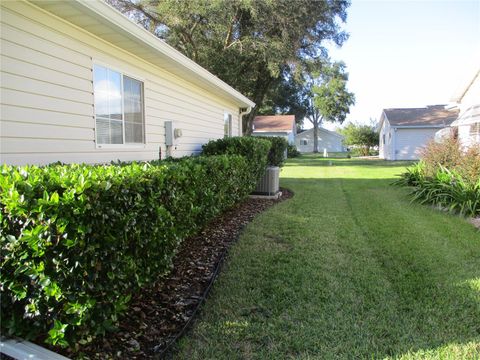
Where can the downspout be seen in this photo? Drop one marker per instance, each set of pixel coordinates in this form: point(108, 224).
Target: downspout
point(240, 119)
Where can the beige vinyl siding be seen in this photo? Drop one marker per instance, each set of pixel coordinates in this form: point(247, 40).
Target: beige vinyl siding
point(47, 109)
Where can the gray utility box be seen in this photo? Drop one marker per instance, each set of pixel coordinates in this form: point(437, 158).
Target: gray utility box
point(269, 182)
point(169, 135)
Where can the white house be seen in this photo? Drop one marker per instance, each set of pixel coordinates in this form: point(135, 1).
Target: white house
point(468, 121)
point(80, 82)
point(404, 132)
point(329, 140)
point(275, 125)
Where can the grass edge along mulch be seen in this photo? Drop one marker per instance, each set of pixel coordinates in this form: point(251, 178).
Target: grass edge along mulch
point(161, 313)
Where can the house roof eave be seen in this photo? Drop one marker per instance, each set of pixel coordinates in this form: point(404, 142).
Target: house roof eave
point(112, 26)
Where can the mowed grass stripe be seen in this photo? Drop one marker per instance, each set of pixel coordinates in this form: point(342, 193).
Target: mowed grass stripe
point(348, 268)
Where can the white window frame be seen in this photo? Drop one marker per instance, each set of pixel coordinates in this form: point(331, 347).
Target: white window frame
point(124, 145)
point(474, 129)
point(227, 113)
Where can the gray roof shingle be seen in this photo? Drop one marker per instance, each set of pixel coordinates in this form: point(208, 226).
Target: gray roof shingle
point(433, 115)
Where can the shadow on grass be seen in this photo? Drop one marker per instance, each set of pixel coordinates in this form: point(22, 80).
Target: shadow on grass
point(430, 261)
point(346, 269)
point(320, 161)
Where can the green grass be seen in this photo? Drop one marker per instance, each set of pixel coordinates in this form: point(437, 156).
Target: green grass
point(346, 269)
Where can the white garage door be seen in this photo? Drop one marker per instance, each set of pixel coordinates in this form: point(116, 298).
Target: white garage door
point(409, 142)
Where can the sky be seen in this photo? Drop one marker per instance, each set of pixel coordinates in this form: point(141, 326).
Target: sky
point(408, 53)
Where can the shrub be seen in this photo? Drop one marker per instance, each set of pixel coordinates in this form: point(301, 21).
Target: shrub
point(278, 149)
point(255, 150)
point(77, 240)
point(447, 154)
point(357, 151)
point(446, 189)
point(292, 151)
point(446, 176)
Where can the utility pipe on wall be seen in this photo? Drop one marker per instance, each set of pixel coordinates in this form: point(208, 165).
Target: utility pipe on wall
point(240, 119)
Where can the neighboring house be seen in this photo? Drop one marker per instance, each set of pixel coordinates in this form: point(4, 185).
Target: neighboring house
point(275, 125)
point(404, 132)
point(329, 140)
point(82, 83)
point(468, 121)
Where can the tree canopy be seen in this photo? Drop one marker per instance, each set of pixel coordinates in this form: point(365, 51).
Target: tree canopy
point(363, 136)
point(251, 45)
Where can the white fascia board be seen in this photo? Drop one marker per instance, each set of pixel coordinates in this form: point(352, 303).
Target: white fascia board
point(114, 19)
point(117, 18)
point(462, 90)
point(420, 127)
point(383, 118)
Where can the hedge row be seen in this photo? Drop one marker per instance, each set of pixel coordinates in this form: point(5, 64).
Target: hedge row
point(77, 240)
point(250, 147)
point(278, 150)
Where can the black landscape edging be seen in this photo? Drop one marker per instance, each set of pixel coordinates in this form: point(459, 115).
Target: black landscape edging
point(169, 348)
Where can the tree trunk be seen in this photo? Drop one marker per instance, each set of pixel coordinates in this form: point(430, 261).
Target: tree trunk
point(261, 88)
point(316, 121)
point(248, 120)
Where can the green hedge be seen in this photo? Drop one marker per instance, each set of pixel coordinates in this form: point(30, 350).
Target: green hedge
point(292, 151)
point(77, 240)
point(278, 149)
point(253, 148)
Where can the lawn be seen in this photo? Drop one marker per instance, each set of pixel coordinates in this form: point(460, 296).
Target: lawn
point(348, 268)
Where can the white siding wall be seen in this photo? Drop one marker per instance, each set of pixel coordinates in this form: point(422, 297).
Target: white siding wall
point(326, 140)
point(46, 94)
point(469, 114)
point(466, 138)
point(386, 149)
point(410, 142)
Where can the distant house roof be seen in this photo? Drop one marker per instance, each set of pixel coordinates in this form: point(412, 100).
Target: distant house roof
point(320, 129)
point(274, 123)
point(430, 116)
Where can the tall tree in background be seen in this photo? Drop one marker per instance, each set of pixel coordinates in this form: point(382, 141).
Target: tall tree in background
point(330, 100)
point(248, 44)
point(287, 96)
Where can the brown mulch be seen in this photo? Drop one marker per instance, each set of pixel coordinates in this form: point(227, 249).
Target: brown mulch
point(158, 315)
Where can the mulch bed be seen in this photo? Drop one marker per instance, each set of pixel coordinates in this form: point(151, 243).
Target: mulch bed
point(160, 314)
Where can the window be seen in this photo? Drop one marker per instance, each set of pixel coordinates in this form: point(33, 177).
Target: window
point(119, 116)
point(475, 129)
point(383, 138)
point(227, 125)
point(303, 142)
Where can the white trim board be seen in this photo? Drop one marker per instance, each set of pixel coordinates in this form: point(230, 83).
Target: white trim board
point(22, 349)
